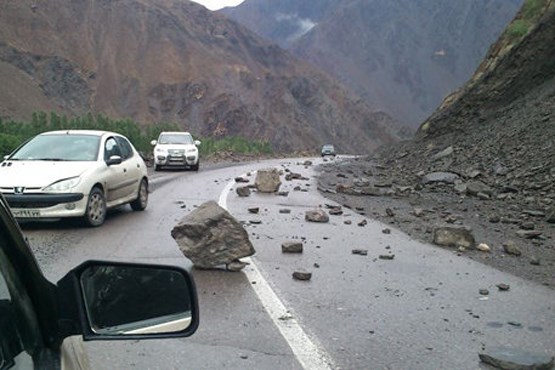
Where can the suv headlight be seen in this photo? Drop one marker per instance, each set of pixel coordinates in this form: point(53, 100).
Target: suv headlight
point(192, 150)
point(63, 185)
point(160, 150)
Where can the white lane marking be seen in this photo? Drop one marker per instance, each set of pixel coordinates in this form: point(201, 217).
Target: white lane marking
point(309, 355)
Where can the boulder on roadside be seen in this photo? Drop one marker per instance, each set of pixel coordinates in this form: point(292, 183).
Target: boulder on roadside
point(454, 237)
point(210, 236)
point(292, 247)
point(267, 180)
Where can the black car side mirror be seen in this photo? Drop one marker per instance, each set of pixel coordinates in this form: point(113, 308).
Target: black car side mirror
point(112, 300)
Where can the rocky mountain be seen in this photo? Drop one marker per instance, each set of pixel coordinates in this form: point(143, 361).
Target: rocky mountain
point(401, 56)
point(484, 162)
point(173, 61)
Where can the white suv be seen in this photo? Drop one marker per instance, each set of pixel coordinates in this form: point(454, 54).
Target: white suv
point(176, 149)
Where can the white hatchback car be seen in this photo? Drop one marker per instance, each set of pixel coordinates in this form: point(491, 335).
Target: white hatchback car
point(176, 149)
point(75, 173)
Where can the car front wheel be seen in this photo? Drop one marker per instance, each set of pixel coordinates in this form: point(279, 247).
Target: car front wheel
point(141, 202)
point(95, 213)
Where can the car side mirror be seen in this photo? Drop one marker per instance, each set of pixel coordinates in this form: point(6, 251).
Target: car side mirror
point(197, 142)
point(113, 300)
point(153, 142)
point(113, 160)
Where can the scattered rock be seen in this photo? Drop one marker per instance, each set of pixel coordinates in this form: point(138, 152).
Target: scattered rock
point(386, 231)
point(209, 236)
point(444, 177)
point(285, 211)
point(335, 211)
point(236, 265)
point(510, 248)
point(386, 256)
point(503, 287)
point(442, 154)
point(243, 191)
point(363, 223)
point(483, 292)
point(477, 187)
point(347, 222)
point(254, 210)
point(292, 247)
point(551, 217)
point(516, 359)
point(483, 247)
point(316, 215)
point(454, 237)
point(527, 225)
point(534, 261)
point(528, 234)
point(267, 180)
point(361, 252)
point(389, 212)
point(302, 275)
point(241, 179)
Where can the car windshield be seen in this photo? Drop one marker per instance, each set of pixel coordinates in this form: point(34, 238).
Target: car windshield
point(175, 139)
point(62, 147)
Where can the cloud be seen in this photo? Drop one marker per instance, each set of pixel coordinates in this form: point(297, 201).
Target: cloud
point(302, 25)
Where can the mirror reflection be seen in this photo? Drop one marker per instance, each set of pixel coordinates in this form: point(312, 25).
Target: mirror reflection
point(124, 300)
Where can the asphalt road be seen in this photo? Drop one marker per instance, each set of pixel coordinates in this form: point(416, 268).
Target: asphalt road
point(420, 310)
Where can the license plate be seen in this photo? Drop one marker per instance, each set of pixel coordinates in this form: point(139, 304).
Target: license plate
point(26, 213)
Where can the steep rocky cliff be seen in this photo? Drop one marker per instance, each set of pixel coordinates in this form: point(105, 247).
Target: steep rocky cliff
point(402, 56)
point(173, 60)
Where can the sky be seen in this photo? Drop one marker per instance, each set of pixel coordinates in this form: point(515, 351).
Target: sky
point(218, 4)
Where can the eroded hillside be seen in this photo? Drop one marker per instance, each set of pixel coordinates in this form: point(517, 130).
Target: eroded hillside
point(173, 61)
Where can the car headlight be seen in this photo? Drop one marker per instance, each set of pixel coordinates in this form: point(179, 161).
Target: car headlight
point(160, 150)
point(192, 150)
point(63, 185)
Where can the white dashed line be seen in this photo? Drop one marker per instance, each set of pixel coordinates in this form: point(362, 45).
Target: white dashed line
point(309, 355)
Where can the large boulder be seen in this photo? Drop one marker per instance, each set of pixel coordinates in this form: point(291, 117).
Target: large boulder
point(267, 180)
point(210, 236)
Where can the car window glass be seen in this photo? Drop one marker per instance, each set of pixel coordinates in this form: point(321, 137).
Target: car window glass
point(125, 148)
point(175, 139)
point(111, 148)
point(62, 147)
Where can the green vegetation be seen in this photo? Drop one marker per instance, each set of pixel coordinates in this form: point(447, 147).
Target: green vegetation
point(13, 133)
point(531, 11)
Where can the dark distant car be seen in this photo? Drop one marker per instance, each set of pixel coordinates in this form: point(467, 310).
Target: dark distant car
point(97, 300)
point(328, 149)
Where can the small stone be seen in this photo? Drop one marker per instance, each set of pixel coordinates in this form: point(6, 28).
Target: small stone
point(316, 265)
point(236, 266)
point(284, 211)
point(361, 252)
point(510, 248)
point(244, 357)
point(386, 256)
point(363, 223)
point(347, 222)
point(243, 191)
point(484, 292)
point(528, 234)
point(302, 275)
point(483, 247)
point(389, 212)
point(254, 210)
point(335, 211)
point(551, 217)
point(317, 215)
point(503, 287)
point(534, 261)
point(527, 225)
point(516, 359)
point(241, 179)
point(386, 231)
point(494, 219)
point(292, 247)
point(255, 222)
